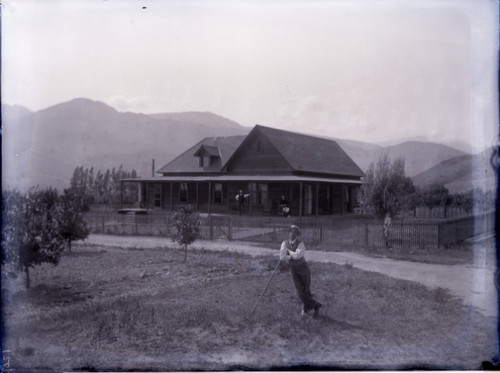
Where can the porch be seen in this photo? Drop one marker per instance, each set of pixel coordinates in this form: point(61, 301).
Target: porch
point(307, 196)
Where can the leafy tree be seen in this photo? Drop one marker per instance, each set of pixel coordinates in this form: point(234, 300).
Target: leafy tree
point(30, 230)
point(464, 200)
point(104, 188)
point(386, 188)
point(72, 225)
point(81, 184)
point(12, 222)
point(482, 200)
point(435, 195)
point(187, 225)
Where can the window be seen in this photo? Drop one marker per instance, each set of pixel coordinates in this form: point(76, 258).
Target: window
point(157, 195)
point(258, 193)
point(252, 189)
point(308, 199)
point(263, 194)
point(218, 198)
point(183, 192)
point(204, 160)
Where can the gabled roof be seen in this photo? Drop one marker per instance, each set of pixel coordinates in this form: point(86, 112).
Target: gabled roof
point(304, 153)
point(188, 161)
point(309, 153)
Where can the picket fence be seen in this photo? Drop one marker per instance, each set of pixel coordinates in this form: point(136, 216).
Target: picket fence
point(328, 232)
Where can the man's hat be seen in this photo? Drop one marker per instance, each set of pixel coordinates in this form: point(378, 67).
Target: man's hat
point(296, 228)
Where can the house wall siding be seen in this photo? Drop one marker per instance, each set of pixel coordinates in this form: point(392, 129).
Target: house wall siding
point(258, 156)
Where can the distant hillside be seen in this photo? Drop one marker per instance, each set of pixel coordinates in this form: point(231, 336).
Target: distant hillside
point(419, 156)
point(43, 148)
point(461, 173)
point(14, 111)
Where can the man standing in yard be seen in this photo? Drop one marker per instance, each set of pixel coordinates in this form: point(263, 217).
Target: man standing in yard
point(387, 230)
point(292, 250)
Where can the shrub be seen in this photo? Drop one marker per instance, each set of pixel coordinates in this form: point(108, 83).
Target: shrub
point(187, 227)
point(72, 207)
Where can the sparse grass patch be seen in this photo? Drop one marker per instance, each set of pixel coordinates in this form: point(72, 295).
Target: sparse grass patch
point(97, 310)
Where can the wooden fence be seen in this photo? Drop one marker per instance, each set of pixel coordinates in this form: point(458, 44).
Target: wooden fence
point(328, 232)
point(456, 230)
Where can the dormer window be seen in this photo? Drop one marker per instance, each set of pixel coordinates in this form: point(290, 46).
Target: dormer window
point(204, 160)
point(206, 155)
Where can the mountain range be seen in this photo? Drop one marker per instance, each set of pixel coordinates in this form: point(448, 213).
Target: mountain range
point(44, 147)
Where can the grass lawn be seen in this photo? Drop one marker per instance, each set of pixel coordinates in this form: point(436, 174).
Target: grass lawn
point(115, 309)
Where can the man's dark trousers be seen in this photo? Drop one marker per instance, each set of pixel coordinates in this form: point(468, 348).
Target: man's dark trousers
point(302, 280)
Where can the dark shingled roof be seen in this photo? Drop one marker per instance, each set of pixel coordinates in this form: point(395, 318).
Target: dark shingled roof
point(311, 154)
point(302, 152)
point(187, 162)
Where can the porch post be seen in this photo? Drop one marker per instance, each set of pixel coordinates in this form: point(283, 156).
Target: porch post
point(209, 197)
point(342, 199)
point(317, 199)
point(300, 199)
point(171, 196)
point(146, 199)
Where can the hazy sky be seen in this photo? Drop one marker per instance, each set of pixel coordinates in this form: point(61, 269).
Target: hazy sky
point(365, 70)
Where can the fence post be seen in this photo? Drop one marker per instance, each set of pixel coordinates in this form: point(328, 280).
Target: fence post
point(439, 235)
point(210, 228)
point(366, 234)
point(229, 229)
point(320, 231)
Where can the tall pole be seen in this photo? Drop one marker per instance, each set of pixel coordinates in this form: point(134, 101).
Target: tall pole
point(260, 298)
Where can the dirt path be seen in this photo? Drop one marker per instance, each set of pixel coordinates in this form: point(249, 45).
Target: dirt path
point(474, 284)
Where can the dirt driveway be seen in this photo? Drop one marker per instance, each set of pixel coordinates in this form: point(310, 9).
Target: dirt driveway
point(474, 284)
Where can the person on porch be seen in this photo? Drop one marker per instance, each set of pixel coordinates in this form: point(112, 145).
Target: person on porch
point(292, 251)
point(240, 197)
point(284, 207)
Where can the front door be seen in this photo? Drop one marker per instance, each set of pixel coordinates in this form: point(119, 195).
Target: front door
point(308, 199)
